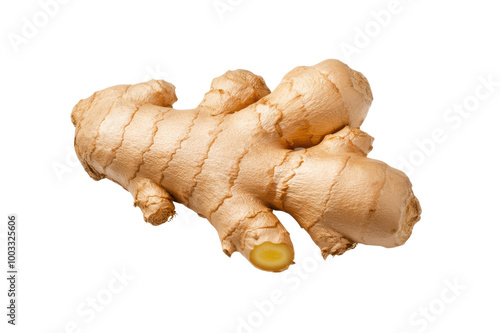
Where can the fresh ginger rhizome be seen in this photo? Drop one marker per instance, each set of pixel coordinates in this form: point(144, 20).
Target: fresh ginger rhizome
point(233, 160)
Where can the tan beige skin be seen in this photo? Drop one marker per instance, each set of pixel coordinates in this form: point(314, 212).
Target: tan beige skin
point(239, 155)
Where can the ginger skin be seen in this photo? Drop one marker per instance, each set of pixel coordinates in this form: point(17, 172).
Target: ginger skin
point(233, 160)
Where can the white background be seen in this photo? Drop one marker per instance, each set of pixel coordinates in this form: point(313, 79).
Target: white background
point(77, 234)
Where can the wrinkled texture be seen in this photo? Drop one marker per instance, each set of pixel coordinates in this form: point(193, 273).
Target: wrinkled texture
point(244, 152)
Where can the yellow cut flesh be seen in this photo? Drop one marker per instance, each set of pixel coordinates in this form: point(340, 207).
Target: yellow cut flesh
point(271, 257)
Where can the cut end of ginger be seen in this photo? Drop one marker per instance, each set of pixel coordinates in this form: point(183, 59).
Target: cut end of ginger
point(272, 257)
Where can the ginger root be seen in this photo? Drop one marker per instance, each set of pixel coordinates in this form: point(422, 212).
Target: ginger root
point(244, 152)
